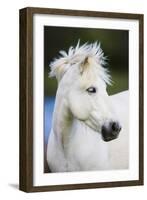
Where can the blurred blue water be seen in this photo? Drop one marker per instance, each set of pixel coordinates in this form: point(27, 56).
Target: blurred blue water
point(48, 111)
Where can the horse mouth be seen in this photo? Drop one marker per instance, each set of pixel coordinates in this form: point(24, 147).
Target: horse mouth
point(108, 139)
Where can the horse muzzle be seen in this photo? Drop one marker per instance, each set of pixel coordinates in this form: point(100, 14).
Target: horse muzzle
point(110, 131)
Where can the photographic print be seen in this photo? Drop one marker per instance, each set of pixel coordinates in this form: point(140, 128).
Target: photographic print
point(87, 107)
point(81, 99)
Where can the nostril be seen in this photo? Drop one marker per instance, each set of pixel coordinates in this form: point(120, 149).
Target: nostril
point(116, 127)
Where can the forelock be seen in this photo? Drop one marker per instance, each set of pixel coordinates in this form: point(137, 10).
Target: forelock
point(78, 56)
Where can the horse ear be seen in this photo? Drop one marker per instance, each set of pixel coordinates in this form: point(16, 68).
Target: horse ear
point(85, 64)
point(58, 68)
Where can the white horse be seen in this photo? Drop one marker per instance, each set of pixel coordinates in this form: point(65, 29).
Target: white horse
point(89, 127)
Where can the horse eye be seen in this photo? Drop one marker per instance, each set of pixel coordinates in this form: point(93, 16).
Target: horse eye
point(91, 90)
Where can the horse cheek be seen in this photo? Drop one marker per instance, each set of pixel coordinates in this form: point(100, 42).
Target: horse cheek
point(79, 106)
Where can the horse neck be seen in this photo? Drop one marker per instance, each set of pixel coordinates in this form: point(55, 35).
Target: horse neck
point(62, 119)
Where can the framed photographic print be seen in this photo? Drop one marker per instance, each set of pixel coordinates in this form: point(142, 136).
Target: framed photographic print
point(81, 99)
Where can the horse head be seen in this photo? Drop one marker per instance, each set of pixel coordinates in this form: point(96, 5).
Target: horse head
point(82, 86)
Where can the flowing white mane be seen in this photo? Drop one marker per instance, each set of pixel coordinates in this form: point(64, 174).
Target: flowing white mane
point(77, 55)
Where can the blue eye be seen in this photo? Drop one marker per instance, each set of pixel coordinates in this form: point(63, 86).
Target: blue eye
point(91, 90)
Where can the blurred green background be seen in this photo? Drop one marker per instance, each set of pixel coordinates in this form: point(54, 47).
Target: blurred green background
point(113, 42)
point(115, 46)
